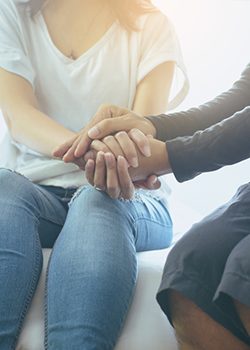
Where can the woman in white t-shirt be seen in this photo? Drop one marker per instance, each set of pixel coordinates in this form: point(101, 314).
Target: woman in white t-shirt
point(59, 61)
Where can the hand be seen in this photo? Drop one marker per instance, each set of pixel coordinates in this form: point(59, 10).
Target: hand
point(121, 144)
point(78, 145)
point(117, 179)
point(112, 176)
point(124, 122)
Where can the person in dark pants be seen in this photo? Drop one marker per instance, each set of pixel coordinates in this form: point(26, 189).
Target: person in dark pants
point(205, 288)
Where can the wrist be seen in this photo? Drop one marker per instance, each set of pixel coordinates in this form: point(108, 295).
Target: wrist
point(160, 160)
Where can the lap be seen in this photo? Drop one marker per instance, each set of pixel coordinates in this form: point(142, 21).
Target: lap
point(202, 263)
point(28, 209)
point(144, 218)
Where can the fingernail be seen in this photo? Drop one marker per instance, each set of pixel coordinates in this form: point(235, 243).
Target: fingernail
point(134, 162)
point(155, 180)
point(93, 132)
point(99, 156)
point(108, 157)
point(121, 160)
point(146, 151)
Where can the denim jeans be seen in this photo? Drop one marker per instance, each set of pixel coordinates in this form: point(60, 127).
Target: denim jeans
point(92, 269)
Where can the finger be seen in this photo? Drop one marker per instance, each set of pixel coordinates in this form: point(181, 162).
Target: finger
point(82, 145)
point(152, 183)
point(141, 141)
point(98, 146)
point(100, 172)
point(81, 163)
point(111, 126)
point(60, 150)
point(126, 185)
point(70, 154)
point(111, 142)
point(89, 155)
point(127, 121)
point(90, 171)
point(128, 148)
point(112, 183)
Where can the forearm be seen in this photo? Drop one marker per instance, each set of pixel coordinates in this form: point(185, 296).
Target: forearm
point(157, 164)
point(35, 130)
point(224, 106)
point(26, 123)
point(223, 144)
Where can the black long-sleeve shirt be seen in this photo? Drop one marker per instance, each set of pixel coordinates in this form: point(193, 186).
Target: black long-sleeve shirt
point(210, 136)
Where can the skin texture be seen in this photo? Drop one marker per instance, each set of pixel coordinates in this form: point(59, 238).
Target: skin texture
point(107, 116)
point(117, 178)
point(196, 330)
point(32, 128)
point(153, 86)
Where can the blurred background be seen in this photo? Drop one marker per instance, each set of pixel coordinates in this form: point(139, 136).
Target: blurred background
point(215, 40)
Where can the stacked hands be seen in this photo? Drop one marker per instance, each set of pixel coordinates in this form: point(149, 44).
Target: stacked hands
point(118, 152)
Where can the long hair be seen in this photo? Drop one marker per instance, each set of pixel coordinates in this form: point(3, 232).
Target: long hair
point(125, 12)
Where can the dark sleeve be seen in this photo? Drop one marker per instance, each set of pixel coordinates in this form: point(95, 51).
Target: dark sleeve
point(170, 126)
point(224, 143)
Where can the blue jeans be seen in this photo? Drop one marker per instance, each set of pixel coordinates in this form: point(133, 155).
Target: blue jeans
point(92, 269)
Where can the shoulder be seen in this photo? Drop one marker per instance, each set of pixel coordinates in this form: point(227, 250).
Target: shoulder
point(153, 20)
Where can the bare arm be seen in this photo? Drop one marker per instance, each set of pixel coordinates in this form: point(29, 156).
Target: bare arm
point(151, 98)
point(26, 123)
point(153, 91)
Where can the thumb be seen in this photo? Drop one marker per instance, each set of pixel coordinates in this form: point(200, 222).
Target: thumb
point(152, 183)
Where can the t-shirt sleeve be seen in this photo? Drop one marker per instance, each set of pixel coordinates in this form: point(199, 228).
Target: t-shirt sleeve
point(159, 43)
point(13, 52)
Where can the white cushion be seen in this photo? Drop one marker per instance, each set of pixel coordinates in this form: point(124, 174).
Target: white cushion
point(145, 328)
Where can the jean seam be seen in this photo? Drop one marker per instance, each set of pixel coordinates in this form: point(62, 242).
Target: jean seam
point(46, 304)
point(152, 220)
point(42, 215)
point(32, 288)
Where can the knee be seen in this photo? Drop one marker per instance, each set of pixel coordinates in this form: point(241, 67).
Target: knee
point(6, 177)
point(186, 318)
point(15, 188)
point(89, 200)
point(10, 180)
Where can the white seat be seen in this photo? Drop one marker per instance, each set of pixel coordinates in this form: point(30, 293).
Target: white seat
point(145, 328)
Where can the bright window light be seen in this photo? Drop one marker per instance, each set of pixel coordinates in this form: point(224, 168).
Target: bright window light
point(214, 37)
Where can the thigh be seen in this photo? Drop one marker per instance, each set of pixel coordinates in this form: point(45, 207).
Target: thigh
point(235, 282)
point(22, 207)
point(196, 264)
point(150, 221)
point(144, 220)
point(92, 271)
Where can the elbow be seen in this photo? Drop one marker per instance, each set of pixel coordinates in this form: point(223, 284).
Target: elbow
point(13, 133)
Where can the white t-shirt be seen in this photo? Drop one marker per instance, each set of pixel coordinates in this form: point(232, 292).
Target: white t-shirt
point(70, 92)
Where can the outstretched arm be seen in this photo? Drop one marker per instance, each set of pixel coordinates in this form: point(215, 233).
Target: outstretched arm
point(26, 123)
point(151, 97)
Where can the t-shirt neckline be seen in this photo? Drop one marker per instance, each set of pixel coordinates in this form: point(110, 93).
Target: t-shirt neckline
point(86, 55)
